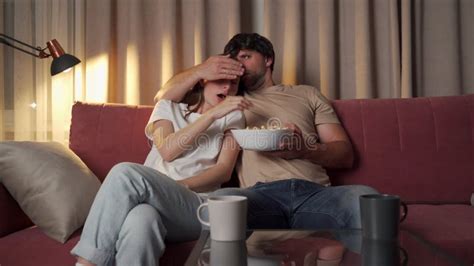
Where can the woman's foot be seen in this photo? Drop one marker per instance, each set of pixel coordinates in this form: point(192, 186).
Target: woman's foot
point(83, 262)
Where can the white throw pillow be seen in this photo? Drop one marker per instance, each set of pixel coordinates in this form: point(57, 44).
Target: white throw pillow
point(50, 183)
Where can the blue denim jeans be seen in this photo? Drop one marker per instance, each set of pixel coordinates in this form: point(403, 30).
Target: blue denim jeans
point(301, 204)
point(136, 209)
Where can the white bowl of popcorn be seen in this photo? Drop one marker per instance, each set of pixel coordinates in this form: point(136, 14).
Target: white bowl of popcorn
point(261, 139)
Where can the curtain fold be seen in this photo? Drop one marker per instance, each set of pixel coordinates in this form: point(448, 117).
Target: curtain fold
point(327, 54)
point(129, 49)
point(443, 59)
point(348, 49)
point(2, 81)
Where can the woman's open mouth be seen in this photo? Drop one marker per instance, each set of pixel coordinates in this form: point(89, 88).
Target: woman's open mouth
point(221, 96)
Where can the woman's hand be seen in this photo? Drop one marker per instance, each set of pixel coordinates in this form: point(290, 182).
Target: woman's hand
point(231, 103)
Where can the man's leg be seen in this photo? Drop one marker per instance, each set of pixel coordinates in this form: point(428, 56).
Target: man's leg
point(141, 239)
point(126, 186)
point(265, 210)
point(317, 207)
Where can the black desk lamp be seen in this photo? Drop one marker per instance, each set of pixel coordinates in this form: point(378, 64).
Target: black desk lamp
point(61, 60)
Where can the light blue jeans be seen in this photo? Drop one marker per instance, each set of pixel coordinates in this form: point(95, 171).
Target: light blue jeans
point(301, 204)
point(135, 210)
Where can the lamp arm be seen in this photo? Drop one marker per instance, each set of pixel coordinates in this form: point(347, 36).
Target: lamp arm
point(42, 53)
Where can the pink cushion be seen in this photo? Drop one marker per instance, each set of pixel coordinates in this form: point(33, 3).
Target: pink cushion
point(450, 227)
point(419, 148)
point(103, 135)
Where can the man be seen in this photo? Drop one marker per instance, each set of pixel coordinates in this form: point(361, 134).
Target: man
point(288, 188)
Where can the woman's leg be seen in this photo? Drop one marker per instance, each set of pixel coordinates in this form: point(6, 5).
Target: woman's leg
point(141, 239)
point(126, 186)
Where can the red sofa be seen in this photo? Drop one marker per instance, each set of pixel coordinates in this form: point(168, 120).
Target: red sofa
point(421, 149)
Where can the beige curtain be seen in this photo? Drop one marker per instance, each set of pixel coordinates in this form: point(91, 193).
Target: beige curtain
point(129, 48)
point(35, 106)
point(440, 36)
point(139, 45)
point(374, 49)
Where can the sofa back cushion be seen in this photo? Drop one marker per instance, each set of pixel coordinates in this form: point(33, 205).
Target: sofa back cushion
point(103, 135)
point(419, 148)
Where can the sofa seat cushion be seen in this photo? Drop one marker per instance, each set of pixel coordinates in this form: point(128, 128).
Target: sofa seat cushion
point(449, 227)
point(32, 247)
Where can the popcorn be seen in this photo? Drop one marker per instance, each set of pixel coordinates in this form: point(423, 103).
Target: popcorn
point(274, 127)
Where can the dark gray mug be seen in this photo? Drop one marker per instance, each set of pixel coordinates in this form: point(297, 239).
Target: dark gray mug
point(380, 216)
point(383, 252)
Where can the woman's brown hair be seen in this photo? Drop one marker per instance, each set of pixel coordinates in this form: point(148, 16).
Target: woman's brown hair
point(195, 97)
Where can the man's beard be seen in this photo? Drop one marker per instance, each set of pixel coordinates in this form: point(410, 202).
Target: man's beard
point(252, 82)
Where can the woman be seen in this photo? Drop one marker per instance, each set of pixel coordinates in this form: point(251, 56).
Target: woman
point(139, 206)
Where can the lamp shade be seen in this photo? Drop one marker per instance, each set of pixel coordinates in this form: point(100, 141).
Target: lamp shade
point(63, 63)
point(61, 60)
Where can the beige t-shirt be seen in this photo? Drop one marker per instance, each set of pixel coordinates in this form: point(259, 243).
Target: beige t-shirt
point(302, 105)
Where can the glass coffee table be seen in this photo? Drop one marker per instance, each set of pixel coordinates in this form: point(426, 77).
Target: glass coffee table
point(316, 247)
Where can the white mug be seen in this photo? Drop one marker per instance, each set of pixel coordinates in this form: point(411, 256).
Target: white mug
point(227, 217)
point(229, 253)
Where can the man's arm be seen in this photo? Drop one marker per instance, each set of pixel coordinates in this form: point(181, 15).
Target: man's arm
point(176, 88)
point(334, 149)
point(214, 68)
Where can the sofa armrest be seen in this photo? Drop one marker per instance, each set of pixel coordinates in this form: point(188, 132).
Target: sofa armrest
point(12, 218)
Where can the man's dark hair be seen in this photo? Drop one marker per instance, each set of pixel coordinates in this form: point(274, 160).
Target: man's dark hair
point(250, 41)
